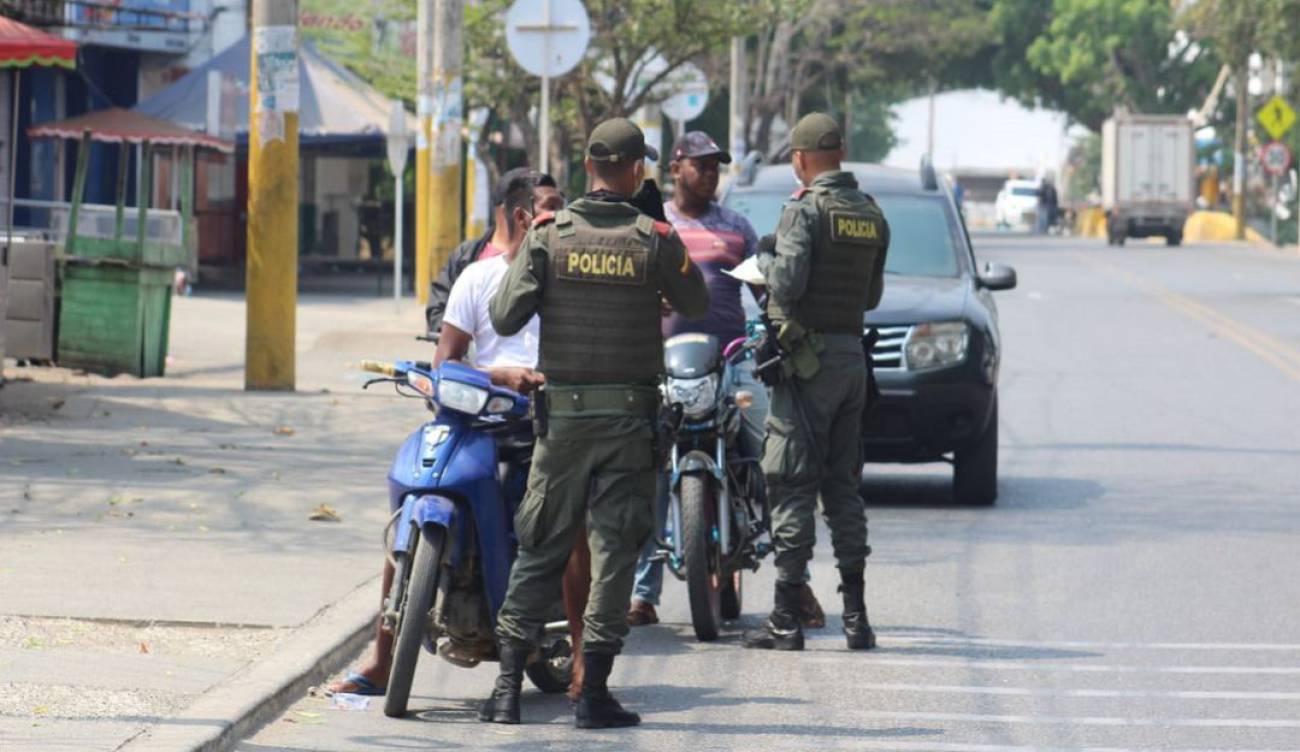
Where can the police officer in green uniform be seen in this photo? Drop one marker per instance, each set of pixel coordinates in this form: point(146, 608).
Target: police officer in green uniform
point(826, 270)
point(595, 273)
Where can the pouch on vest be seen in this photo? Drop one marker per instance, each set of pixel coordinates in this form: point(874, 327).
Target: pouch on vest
point(802, 348)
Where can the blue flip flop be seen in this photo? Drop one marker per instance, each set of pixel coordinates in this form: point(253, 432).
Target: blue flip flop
point(364, 686)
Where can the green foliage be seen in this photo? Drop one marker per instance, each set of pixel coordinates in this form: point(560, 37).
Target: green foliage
point(1088, 57)
point(367, 39)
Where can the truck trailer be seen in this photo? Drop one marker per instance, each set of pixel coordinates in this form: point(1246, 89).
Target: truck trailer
point(1148, 177)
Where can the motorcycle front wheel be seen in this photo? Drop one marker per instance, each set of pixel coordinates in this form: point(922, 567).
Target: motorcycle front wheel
point(703, 581)
point(553, 670)
point(413, 617)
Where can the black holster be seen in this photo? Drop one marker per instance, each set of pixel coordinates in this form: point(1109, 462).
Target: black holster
point(873, 389)
point(541, 413)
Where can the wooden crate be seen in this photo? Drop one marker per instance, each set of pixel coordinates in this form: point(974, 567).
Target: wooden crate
point(115, 319)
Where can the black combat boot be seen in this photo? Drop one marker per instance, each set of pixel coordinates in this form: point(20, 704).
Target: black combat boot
point(857, 630)
point(782, 629)
point(503, 705)
point(596, 707)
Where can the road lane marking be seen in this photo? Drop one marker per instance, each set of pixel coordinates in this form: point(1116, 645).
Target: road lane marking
point(886, 637)
point(1085, 668)
point(1078, 693)
point(1268, 348)
point(908, 715)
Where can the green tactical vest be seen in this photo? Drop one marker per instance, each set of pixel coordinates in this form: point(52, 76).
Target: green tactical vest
point(600, 310)
point(850, 236)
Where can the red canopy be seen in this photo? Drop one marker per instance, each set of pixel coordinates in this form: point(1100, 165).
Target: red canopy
point(116, 125)
point(22, 46)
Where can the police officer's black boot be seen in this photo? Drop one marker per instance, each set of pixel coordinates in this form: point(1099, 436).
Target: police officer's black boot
point(596, 707)
point(782, 629)
point(503, 705)
point(857, 630)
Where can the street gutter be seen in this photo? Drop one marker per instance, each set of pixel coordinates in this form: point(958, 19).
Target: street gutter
point(257, 694)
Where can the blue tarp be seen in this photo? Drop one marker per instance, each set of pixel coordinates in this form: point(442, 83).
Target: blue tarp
point(336, 108)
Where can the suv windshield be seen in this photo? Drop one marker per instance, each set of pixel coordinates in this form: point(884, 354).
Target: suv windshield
point(923, 238)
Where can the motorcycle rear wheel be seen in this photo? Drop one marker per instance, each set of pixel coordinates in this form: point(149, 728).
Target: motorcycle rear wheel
point(413, 618)
point(703, 581)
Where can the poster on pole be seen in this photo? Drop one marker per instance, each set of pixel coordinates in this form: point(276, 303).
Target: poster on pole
point(276, 50)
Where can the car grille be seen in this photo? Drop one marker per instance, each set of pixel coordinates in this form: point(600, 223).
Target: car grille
point(887, 355)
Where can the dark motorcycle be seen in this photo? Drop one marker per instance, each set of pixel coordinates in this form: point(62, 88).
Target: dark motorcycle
point(717, 511)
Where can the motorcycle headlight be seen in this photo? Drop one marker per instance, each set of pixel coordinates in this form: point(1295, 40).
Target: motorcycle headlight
point(936, 345)
point(462, 397)
point(696, 396)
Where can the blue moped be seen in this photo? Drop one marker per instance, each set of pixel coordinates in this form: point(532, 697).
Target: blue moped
point(455, 485)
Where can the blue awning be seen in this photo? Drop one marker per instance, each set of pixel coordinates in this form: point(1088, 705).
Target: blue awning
point(336, 107)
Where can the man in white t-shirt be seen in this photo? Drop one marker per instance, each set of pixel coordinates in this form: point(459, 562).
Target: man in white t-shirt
point(510, 361)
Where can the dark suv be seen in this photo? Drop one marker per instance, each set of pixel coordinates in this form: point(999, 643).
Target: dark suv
point(937, 357)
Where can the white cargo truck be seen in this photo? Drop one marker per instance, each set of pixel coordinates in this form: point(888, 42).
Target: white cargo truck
point(1148, 177)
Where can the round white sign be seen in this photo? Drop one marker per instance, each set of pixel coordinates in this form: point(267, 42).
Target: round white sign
point(1274, 157)
point(547, 37)
point(690, 93)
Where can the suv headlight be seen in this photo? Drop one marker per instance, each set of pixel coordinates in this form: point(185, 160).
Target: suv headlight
point(462, 397)
point(695, 395)
point(936, 345)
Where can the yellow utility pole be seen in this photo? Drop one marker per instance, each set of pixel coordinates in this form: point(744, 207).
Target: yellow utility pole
point(444, 180)
point(424, 111)
point(272, 267)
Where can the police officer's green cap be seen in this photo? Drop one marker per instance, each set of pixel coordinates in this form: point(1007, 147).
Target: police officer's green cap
point(619, 140)
point(816, 131)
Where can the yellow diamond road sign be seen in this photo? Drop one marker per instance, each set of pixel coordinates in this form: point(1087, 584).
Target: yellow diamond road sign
point(1277, 117)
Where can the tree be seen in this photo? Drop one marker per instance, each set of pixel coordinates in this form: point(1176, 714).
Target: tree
point(1088, 57)
point(1238, 28)
point(377, 45)
point(636, 46)
point(829, 53)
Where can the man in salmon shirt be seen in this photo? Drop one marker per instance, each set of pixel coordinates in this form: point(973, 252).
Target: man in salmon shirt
point(717, 238)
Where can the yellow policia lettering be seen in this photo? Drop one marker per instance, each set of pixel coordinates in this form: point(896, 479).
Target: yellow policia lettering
point(601, 264)
point(856, 228)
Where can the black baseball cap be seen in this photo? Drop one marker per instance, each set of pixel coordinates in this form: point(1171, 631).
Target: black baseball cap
point(619, 140)
point(698, 144)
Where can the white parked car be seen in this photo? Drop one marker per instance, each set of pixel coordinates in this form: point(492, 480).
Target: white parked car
point(1017, 204)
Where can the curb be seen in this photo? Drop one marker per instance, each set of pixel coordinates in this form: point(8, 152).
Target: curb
point(242, 703)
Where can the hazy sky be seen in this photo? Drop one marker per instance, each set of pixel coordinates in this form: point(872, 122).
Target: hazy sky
point(975, 128)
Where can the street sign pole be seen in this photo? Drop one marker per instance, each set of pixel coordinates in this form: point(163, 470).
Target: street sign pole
point(398, 145)
point(547, 47)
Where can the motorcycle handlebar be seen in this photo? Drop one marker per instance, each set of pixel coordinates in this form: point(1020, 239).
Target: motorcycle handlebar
point(374, 366)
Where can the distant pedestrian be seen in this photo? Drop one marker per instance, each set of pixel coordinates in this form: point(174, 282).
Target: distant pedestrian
point(1047, 204)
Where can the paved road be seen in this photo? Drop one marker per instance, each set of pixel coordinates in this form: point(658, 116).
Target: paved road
point(154, 534)
point(1137, 585)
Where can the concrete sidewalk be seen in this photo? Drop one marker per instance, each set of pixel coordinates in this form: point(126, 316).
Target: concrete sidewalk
point(158, 570)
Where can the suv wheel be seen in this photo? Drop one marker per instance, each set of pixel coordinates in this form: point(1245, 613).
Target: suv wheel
point(975, 469)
